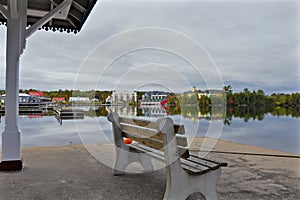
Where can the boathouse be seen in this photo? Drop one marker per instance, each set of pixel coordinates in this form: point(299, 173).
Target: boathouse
point(23, 98)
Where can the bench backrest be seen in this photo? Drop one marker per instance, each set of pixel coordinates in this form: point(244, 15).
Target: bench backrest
point(147, 133)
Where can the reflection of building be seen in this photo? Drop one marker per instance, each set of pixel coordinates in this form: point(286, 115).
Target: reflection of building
point(124, 110)
point(83, 108)
point(154, 111)
point(193, 113)
point(149, 111)
point(122, 97)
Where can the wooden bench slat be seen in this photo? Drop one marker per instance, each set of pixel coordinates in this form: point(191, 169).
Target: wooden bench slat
point(139, 122)
point(146, 132)
point(220, 164)
point(152, 133)
point(211, 165)
point(190, 167)
point(156, 144)
point(147, 149)
point(153, 138)
point(159, 155)
point(179, 129)
point(193, 169)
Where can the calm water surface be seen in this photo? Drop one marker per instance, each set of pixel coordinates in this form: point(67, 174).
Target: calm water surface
point(279, 133)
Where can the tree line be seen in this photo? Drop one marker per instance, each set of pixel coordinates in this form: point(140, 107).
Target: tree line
point(259, 98)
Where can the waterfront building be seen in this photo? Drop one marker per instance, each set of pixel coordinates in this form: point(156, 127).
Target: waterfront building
point(58, 99)
point(155, 98)
point(36, 94)
point(108, 100)
point(40, 96)
point(79, 99)
point(94, 100)
point(124, 97)
point(23, 98)
point(198, 92)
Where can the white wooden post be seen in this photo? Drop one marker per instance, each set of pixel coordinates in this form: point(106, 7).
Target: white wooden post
point(16, 27)
point(16, 15)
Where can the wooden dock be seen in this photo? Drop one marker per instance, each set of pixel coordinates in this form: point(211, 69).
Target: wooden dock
point(27, 108)
point(69, 113)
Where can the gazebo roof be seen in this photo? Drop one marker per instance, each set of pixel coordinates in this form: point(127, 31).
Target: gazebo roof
point(70, 20)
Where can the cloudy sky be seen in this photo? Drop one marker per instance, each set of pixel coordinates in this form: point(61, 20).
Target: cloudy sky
point(170, 45)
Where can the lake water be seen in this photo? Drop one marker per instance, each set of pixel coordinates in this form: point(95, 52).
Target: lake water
point(279, 133)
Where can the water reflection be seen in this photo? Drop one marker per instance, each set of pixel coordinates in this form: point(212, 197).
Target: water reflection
point(275, 128)
point(269, 127)
point(198, 113)
point(188, 112)
point(258, 113)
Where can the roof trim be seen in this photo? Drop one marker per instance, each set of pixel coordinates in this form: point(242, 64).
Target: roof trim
point(76, 17)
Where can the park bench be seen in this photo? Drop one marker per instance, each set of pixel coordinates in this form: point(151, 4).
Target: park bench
point(166, 142)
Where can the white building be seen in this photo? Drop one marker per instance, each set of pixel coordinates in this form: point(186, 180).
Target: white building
point(123, 97)
point(23, 98)
point(108, 100)
point(79, 99)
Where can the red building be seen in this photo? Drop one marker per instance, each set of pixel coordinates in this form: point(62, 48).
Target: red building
point(58, 99)
point(36, 94)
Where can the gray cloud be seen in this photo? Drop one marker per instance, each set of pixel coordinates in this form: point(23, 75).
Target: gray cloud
point(255, 44)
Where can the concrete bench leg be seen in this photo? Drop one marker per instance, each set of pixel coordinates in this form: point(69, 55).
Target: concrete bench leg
point(121, 162)
point(182, 185)
point(124, 158)
point(146, 162)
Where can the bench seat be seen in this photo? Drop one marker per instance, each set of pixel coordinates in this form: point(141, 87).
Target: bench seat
point(193, 164)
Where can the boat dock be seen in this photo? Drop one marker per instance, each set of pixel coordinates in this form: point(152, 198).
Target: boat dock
point(27, 108)
point(68, 113)
point(38, 108)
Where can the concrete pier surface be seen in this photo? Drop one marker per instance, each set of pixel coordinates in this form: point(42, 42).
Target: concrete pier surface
point(71, 172)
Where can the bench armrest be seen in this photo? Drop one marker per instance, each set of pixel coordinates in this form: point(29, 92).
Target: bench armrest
point(117, 132)
point(166, 127)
